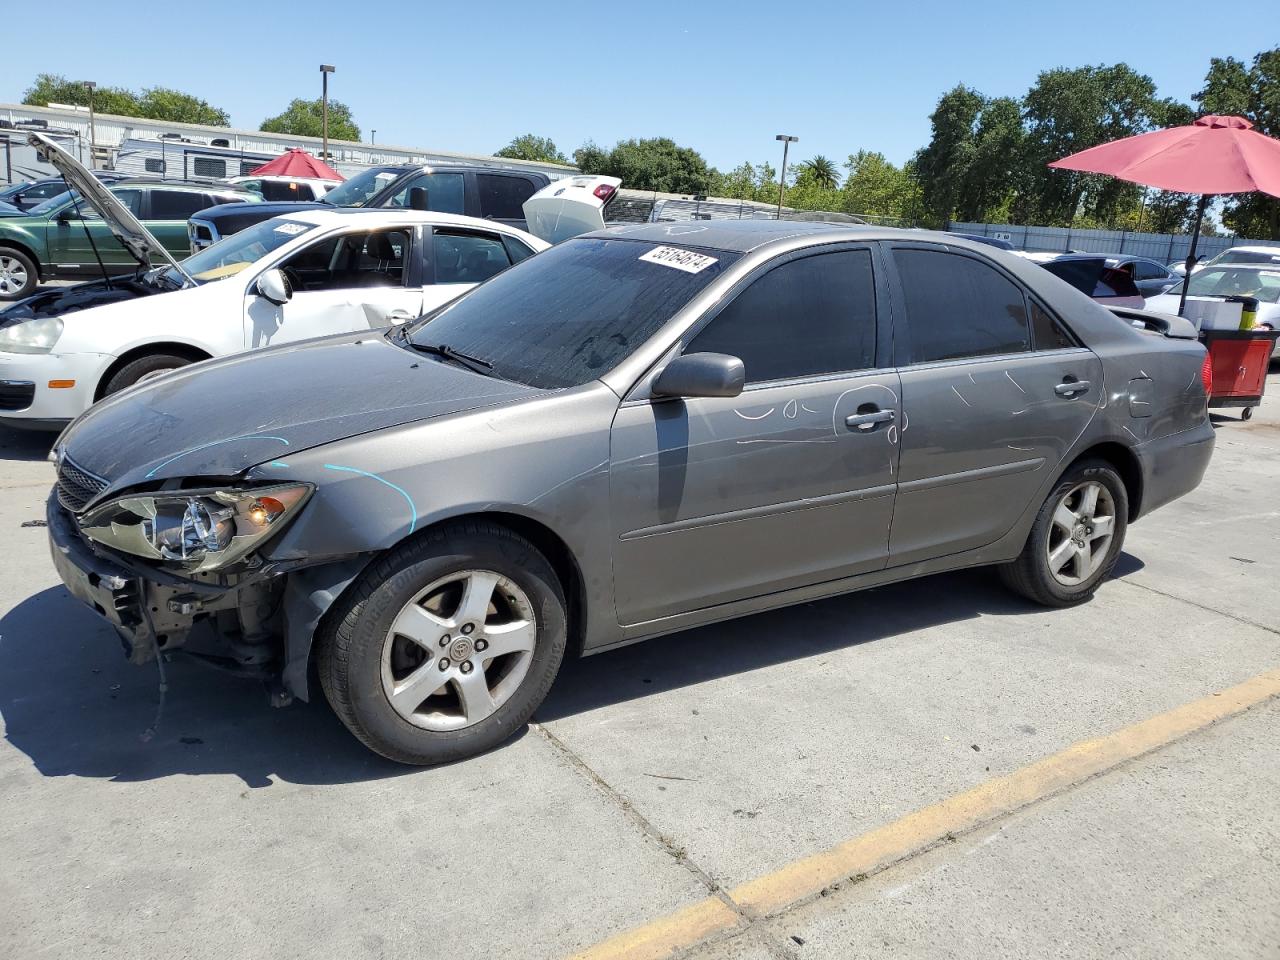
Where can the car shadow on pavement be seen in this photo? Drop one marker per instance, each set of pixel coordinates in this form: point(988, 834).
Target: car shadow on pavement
point(71, 702)
point(779, 636)
point(26, 445)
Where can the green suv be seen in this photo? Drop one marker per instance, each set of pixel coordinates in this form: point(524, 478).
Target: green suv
point(56, 239)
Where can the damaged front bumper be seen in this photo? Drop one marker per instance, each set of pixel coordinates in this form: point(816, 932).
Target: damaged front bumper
point(257, 624)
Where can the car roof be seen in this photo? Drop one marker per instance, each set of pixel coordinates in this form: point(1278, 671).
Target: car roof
point(1269, 267)
point(743, 236)
point(324, 217)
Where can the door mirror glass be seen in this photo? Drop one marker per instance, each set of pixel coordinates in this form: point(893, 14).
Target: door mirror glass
point(701, 375)
point(274, 286)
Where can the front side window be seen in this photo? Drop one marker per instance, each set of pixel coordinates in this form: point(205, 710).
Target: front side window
point(502, 197)
point(959, 307)
point(445, 193)
point(232, 254)
point(176, 204)
point(350, 262)
point(572, 313)
point(806, 317)
point(462, 257)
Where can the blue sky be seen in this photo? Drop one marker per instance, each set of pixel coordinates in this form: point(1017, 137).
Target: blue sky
point(720, 77)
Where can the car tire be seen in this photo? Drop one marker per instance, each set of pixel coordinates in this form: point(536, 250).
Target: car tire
point(401, 655)
point(144, 368)
point(19, 275)
point(1075, 540)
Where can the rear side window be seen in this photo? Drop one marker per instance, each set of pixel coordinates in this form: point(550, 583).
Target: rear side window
point(502, 198)
point(276, 190)
point(803, 318)
point(176, 205)
point(959, 307)
point(467, 257)
point(1048, 332)
point(1146, 270)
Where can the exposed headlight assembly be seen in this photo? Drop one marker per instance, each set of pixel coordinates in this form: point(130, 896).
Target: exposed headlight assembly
point(196, 530)
point(31, 336)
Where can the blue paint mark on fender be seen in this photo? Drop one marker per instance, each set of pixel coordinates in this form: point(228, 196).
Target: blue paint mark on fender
point(413, 510)
point(205, 446)
point(277, 463)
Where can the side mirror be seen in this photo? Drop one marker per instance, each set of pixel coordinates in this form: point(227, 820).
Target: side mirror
point(67, 214)
point(419, 198)
point(701, 375)
point(274, 286)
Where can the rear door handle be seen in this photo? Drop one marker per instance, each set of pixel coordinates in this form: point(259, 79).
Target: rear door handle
point(868, 421)
point(1071, 387)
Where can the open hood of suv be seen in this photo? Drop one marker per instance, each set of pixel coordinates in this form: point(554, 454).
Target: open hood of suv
point(569, 207)
point(136, 238)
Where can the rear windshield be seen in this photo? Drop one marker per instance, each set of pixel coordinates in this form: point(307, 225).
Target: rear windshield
point(1094, 278)
point(572, 313)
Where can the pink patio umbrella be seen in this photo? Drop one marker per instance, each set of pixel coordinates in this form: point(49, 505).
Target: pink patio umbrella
point(1212, 156)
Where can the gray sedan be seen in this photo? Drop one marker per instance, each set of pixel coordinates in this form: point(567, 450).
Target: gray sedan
point(632, 433)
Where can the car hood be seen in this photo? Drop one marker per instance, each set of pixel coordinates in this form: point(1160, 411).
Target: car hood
point(218, 418)
point(136, 238)
point(57, 301)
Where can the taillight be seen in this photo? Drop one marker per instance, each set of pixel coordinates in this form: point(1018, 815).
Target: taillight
point(604, 192)
point(1206, 375)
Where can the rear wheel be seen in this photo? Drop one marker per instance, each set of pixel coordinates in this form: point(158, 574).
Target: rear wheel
point(1075, 540)
point(18, 274)
point(446, 646)
point(143, 369)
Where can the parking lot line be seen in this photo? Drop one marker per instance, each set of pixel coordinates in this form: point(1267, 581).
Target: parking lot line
point(804, 879)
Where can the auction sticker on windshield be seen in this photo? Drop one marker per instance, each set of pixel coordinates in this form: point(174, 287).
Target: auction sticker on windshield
point(685, 260)
point(291, 229)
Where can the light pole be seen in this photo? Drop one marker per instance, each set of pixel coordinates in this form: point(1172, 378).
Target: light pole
point(373, 137)
point(90, 86)
point(325, 70)
point(787, 141)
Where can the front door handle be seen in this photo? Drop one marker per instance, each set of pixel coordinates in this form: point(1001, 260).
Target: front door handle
point(868, 421)
point(1070, 388)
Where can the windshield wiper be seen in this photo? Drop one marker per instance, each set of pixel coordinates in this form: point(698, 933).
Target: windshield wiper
point(475, 364)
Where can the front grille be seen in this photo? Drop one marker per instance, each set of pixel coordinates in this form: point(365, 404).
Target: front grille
point(16, 394)
point(76, 487)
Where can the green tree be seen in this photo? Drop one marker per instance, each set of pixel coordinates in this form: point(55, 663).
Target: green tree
point(1252, 92)
point(657, 164)
point(530, 147)
point(304, 118)
point(875, 187)
point(1069, 110)
point(823, 172)
point(156, 103)
point(942, 165)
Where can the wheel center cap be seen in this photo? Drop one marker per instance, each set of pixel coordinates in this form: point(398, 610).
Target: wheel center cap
point(460, 650)
point(1078, 533)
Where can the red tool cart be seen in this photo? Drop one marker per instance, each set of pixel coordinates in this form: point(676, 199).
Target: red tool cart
point(1239, 360)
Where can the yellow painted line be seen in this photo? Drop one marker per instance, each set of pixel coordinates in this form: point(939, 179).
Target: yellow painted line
point(806, 878)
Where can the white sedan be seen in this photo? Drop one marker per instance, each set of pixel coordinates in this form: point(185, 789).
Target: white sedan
point(1216, 283)
point(305, 275)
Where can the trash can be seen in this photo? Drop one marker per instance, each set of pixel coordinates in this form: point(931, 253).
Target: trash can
point(1239, 360)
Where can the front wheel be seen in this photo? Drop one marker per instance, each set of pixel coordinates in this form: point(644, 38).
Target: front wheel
point(19, 277)
point(1075, 540)
point(142, 369)
point(445, 647)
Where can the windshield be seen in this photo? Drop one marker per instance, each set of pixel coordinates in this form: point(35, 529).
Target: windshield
point(357, 191)
point(229, 256)
point(45, 207)
point(1262, 285)
point(574, 312)
point(1245, 256)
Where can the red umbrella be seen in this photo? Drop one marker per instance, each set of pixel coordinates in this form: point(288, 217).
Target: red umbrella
point(298, 163)
point(1211, 156)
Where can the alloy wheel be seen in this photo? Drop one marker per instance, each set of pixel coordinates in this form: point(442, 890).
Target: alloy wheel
point(13, 275)
point(458, 650)
point(1080, 535)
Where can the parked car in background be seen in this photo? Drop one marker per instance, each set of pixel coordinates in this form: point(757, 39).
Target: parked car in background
point(66, 238)
point(590, 449)
point(31, 194)
point(1221, 281)
point(1150, 276)
point(1093, 276)
point(1242, 254)
point(489, 193)
point(285, 189)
